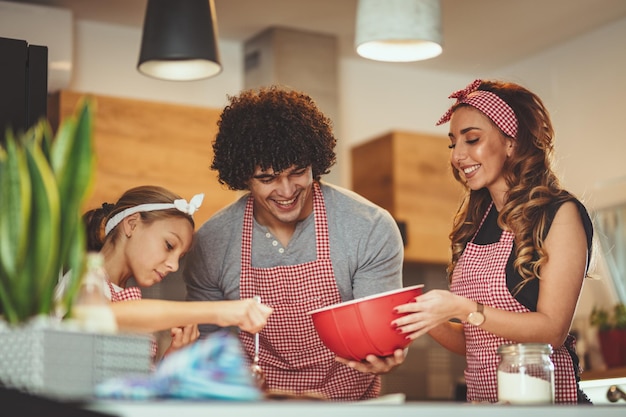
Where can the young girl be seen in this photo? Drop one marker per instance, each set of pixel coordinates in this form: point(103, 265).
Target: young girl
point(143, 236)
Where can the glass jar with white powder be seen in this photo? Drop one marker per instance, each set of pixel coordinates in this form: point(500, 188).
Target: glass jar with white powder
point(525, 374)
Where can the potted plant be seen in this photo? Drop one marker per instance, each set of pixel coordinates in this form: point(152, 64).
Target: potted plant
point(43, 185)
point(611, 325)
point(44, 182)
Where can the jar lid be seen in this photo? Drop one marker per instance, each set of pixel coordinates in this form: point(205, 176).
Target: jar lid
point(520, 348)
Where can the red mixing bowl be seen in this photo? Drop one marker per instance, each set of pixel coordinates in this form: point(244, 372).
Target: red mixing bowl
point(357, 328)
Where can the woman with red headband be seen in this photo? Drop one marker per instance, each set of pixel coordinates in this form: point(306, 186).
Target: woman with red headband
point(521, 244)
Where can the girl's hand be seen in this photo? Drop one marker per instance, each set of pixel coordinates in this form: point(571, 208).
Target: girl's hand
point(249, 315)
point(182, 336)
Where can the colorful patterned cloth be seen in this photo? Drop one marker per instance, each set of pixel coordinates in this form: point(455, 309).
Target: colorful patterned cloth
point(211, 368)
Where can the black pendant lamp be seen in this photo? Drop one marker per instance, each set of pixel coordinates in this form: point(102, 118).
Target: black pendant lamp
point(179, 40)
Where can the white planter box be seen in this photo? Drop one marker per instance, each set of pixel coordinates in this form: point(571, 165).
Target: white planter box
point(68, 364)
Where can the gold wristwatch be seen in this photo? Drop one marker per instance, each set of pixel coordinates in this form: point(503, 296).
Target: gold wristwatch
point(477, 317)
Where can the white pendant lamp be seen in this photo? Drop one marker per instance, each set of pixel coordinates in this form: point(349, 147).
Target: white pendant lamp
point(398, 30)
point(179, 41)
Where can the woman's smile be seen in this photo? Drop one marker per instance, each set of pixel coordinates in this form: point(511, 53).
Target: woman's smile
point(469, 171)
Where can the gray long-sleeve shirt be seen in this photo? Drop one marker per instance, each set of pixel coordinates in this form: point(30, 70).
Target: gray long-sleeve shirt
point(365, 248)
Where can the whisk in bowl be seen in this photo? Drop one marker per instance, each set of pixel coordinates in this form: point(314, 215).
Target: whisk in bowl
point(257, 372)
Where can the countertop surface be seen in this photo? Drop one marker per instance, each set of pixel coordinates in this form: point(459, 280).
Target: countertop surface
point(169, 408)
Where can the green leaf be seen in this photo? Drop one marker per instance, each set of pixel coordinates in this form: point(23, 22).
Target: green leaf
point(43, 267)
point(15, 209)
point(43, 185)
point(46, 140)
point(76, 266)
point(72, 159)
point(15, 206)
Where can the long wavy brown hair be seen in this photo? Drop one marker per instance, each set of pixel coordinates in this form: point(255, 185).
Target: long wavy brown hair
point(533, 186)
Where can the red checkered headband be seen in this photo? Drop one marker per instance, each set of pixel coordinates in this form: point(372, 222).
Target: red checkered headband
point(487, 102)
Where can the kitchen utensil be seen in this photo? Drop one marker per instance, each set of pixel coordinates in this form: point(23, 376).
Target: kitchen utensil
point(257, 371)
point(357, 328)
point(614, 394)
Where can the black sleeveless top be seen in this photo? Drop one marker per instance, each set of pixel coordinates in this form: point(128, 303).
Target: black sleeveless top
point(529, 294)
point(490, 233)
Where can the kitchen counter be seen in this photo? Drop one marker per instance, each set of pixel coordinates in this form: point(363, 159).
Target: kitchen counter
point(169, 408)
point(603, 373)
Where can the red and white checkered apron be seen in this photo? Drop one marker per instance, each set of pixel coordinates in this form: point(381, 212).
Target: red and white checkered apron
point(480, 275)
point(291, 353)
point(130, 293)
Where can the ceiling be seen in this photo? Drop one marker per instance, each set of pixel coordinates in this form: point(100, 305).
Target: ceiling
point(479, 35)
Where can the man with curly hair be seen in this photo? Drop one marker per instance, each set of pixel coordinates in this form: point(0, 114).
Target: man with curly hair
point(296, 242)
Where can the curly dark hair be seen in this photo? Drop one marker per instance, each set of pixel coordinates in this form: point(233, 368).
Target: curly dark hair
point(271, 127)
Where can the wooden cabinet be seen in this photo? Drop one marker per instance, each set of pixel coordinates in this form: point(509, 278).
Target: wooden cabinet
point(149, 143)
point(409, 174)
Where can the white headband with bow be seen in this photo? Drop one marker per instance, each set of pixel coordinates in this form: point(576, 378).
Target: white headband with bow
point(181, 204)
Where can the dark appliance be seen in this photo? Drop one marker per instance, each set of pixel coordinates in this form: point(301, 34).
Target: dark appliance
point(23, 84)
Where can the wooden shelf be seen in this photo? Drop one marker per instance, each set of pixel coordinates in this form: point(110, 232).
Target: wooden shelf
point(141, 142)
point(409, 174)
point(603, 374)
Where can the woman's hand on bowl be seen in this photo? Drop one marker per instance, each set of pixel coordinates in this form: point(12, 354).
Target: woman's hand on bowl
point(428, 311)
point(374, 364)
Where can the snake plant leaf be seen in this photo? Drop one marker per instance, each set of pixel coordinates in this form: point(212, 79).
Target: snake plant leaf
point(46, 140)
point(6, 307)
point(76, 264)
point(15, 209)
point(15, 205)
point(42, 269)
point(73, 161)
point(43, 183)
point(72, 155)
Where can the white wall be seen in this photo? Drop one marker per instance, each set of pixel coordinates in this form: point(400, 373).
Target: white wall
point(583, 84)
point(106, 63)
